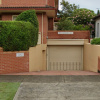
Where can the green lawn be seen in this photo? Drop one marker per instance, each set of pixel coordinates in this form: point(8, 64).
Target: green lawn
point(8, 90)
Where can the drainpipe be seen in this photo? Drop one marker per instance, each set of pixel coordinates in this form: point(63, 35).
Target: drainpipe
point(42, 28)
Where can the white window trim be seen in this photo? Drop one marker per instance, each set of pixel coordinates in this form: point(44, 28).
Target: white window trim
point(13, 16)
point(39, 38)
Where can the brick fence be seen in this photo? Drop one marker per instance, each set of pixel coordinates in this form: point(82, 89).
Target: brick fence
point(9, 63)
point(75, 35)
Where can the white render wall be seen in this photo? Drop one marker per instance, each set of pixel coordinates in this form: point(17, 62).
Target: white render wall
point(96, 22)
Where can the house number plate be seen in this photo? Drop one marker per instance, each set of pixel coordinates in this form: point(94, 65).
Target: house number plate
point(19, 54)
point(65, 33)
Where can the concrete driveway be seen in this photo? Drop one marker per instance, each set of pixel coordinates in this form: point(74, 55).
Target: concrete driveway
point(56, 87)
point(59, 91)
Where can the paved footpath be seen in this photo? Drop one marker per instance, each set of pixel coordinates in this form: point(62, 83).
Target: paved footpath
point(56, 87)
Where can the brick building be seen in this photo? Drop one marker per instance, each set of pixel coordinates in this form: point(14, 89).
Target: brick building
point(46, 11)
point(64, 49)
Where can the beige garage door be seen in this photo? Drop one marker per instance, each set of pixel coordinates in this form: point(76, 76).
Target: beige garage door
point(65, 58)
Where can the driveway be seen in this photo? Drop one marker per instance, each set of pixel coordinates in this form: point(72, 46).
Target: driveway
point(59, 91)
point(56, 87)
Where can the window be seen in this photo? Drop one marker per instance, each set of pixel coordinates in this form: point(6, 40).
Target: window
point(14, 17)
point(97, 29)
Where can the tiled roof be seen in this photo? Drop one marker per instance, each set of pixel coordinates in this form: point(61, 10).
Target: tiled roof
point(98, 16)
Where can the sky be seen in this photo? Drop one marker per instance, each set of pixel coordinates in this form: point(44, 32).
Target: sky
point(89, 4)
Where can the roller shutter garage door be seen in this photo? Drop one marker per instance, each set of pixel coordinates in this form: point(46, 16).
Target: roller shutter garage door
point(65, 58)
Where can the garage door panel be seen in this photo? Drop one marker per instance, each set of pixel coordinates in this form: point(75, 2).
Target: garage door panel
point(65, 66)
point(65, 58)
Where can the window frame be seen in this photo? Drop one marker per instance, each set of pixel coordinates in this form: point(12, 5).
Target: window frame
point(13, 17)
point(98, 25)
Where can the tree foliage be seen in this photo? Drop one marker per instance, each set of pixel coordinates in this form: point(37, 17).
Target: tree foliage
point(74, 18)
point(67, 9)
point(82, 16)
point(66, 24)
point(98, 12)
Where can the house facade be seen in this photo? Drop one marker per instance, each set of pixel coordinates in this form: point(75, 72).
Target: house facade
point(97, 26)
point(46, 10)
point(64, 49)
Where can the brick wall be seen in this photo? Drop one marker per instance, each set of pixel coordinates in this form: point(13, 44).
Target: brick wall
point(75, 35)
point(28, 3)
point(45, 26)
point(8, 16)
point(22, 3)
point(9, 63)
point(50, 23)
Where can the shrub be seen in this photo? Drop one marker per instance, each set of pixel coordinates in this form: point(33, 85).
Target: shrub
point(96, 41)
point(67, 24)
point(30, 16)
point(81, 27)
point(16, 35)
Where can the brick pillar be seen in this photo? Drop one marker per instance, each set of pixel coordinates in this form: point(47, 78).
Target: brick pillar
point(45, 28)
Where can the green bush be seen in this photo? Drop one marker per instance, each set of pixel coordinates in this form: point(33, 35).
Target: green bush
point(96, 41)
point(17, 35)
point(30, 16)
point(67, 24)
point(81, 27)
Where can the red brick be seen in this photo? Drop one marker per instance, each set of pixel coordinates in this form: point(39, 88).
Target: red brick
point(27, 3)
point(9, 63)
point(50, 25)
point(76, 35)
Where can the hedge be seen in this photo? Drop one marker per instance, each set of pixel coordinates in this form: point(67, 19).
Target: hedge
point(17, 35)
point(30, 16)
point(96, 41)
